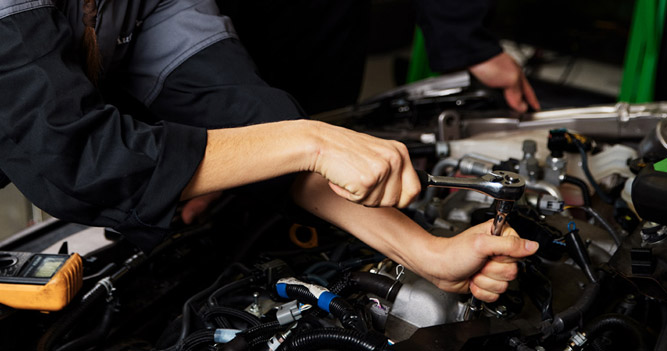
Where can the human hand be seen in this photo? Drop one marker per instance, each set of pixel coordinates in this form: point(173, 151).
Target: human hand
point(475, 261)
point(196, 206)
point(364, 169)
point(501, 71)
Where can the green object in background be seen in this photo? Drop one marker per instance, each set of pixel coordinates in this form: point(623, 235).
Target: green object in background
point(419, 67)
point(643, 51)
point(661, 166)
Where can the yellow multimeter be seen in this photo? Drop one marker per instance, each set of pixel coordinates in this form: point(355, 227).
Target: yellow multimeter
point(44, 282)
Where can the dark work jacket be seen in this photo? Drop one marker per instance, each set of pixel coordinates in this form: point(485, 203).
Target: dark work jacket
point(81, 159)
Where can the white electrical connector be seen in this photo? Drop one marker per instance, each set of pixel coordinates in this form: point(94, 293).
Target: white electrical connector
point(223, 336)
point(290, 312)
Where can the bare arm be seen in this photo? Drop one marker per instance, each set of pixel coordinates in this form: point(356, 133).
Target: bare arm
point(359, 168)
point(459, 264)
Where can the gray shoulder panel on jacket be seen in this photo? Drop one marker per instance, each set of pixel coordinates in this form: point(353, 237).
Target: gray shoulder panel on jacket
point(12, 7)
point(177, 30)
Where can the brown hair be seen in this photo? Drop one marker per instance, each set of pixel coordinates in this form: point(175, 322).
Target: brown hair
point(93, 59)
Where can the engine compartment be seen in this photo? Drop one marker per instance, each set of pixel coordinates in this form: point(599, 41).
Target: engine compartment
point(247, 277)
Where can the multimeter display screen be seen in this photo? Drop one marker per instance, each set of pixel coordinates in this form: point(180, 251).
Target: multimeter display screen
point(44, 266)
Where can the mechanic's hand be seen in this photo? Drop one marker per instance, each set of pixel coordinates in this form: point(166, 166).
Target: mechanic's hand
point(364, 169)
point(501, 71)
point(196, 206)
point(477, 261)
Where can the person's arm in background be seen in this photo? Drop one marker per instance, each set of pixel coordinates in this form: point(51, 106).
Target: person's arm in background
point(457, 39)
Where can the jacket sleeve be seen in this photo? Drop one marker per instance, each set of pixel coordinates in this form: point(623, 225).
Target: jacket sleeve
point(454, 33)
point(75, 157)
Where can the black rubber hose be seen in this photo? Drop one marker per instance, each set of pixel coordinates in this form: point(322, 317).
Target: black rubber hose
point(376, 284)
point(333, 339)
point(584, 164)
point(231, 312)
point(93, 337)
point(618, 323)
point(582, 186)
point(573, 315)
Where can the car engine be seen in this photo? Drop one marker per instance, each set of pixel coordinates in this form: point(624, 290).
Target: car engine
point(248, 276)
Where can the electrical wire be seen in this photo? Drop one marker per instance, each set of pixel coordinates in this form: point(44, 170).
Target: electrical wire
point(593, 213)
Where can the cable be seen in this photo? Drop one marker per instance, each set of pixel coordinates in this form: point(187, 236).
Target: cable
point(333, 339)
point(610, 229)
point(212, 299)
point(584, 163)
point(231, 312)
point(187, 306)
point(102, 272)
point(195, 340)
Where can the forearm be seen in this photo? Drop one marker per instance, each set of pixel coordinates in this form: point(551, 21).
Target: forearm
point(449, 263)
point(386, 229)
point(360, 168)
point(239, 156)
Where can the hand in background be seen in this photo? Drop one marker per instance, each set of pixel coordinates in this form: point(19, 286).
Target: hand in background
point(501, 71)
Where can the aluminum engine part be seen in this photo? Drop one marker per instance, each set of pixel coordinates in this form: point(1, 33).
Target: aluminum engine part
point(421, 304)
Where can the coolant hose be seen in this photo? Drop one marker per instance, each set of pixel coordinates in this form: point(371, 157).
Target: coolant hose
point(617, 322)
point(572, 316)
point(376, 284)
point(333, 339)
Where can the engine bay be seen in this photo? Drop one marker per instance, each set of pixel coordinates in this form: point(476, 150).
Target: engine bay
point(250, 277)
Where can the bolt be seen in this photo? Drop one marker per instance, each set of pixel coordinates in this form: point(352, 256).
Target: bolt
point(501, 310)
point(254, 308)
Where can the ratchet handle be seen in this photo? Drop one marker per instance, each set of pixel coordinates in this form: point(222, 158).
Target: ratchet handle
point(500, 185)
